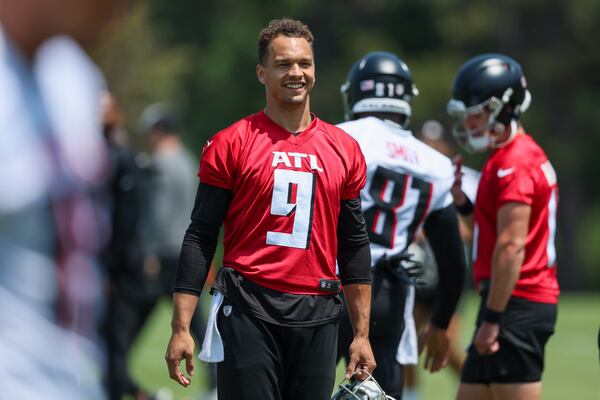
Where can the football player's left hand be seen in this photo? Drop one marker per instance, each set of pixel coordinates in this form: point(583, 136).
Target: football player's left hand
point(360, 358)
point(486, 338)
point(437, 344)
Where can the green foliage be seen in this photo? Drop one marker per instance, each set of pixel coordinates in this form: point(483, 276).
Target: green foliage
point(140, 68)
point(202, 56)
point(587, 245)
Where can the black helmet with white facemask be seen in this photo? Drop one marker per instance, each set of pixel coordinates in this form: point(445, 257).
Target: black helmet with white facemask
point(493, 87)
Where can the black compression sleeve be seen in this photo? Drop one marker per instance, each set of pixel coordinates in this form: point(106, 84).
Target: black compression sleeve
point(201, 238)
point(467, 208)
point(441, 229)
point(354, 254)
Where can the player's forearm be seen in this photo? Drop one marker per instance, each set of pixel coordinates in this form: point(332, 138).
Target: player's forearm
point(197, 252)
point(506, 267)
point(442, 231)
point(201, 237)
point(464, 206)
point(358, 302)
point(465, 212)
point(184, 306)
point(468, 221)
point(354, 253)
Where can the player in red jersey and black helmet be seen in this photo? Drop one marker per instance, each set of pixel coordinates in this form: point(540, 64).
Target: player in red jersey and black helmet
point(514, 218)
point(286, 185)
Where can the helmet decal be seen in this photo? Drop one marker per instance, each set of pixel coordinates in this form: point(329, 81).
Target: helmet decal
point(379, 82)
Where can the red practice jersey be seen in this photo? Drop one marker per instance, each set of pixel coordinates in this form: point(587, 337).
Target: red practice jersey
point(519, 172)
point(281, 225)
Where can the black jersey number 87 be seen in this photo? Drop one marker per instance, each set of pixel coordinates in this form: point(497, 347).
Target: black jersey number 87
point(388, 203)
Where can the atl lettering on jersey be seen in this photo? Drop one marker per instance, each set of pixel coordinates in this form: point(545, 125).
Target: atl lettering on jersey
point(281, 225)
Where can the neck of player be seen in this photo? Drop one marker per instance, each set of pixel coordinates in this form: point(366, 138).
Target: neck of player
point(294, 118)
point(509, 134)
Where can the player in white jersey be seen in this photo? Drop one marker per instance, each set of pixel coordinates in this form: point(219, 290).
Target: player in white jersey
point(408, 187)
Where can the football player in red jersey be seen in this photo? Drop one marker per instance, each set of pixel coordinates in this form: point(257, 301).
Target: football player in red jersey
point(286, 185)
point(514, 218)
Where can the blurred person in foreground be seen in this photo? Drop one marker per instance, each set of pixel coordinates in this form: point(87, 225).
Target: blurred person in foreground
point(124, 256)
point(514, 219)
point(52, 223)
point(408, 188)
point(286, 185)
point(170, 195)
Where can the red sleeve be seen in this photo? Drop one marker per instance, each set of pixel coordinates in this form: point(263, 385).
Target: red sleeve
point(218, 161)
point(357, 171)
point(517, 186)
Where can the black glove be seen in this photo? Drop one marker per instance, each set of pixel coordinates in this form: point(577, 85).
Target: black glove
point(403, 267)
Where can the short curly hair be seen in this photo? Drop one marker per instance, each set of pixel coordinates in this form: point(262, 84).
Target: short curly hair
point(284, 26)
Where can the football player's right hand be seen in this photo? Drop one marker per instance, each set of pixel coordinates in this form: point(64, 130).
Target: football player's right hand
point(459, 196)
point(181, 346)
point(436, 343)
point(486, 339)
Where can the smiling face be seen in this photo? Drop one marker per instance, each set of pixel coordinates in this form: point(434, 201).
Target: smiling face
point(288, 71)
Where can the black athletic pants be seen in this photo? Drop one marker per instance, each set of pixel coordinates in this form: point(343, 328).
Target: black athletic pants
point(271, 362)
point(385, 331)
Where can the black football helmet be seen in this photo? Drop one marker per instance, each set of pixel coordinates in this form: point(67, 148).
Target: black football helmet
point(491, 82)
point(379, 82)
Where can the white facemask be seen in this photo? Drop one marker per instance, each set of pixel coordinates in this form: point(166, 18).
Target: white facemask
point(479, 143)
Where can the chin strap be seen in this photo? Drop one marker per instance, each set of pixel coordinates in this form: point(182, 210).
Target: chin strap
point(514, 129)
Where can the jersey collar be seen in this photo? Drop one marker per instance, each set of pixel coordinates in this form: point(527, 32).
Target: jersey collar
point(295, 139)
point(396, 128)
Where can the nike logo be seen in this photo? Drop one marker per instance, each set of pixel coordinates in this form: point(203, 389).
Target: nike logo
point(505, 172)
point(208, 143)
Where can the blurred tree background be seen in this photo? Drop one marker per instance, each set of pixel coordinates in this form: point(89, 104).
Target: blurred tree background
point(201, 56)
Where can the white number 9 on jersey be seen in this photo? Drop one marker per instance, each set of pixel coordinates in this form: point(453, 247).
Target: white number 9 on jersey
point(283, 203)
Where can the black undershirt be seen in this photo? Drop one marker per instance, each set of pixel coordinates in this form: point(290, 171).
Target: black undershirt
point(275, 307)
point(286, 309)
point(201, 237)
point(442, 231)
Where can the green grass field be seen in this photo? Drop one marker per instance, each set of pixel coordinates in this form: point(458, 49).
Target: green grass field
point(572, 367)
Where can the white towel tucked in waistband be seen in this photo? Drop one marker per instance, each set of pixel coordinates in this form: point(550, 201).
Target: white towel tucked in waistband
point(212, 347)
point(408, 351)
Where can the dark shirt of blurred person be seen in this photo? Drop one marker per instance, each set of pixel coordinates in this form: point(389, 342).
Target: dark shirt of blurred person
point(171, 199)
point(171, 196)
point(52, 226)
point(124, 256)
